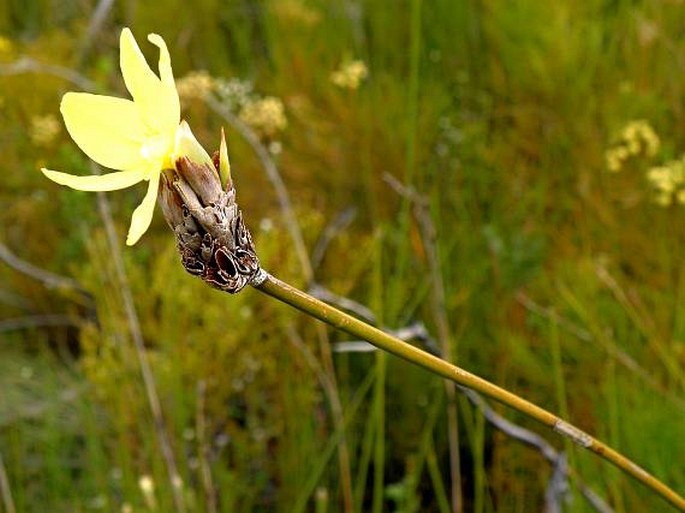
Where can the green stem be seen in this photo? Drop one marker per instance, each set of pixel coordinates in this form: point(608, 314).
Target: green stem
point(379, 447)
point(338, 319)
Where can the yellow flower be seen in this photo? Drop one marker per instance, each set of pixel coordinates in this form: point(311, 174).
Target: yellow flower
point(613, 160)
point(296, 11)
point(6, 45)
point(139, 137)
point(44, 129)
point(196, 84)
point(147, 486)
point(350, 75)
point(668, 181)
point(265, 116)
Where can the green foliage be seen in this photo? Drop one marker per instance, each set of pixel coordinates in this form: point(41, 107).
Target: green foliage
point(499, 114)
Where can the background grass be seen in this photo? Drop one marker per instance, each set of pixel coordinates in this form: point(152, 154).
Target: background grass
point(499, 114)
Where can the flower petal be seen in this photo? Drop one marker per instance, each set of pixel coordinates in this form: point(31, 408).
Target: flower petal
point(186, 145)
point(156, 98)
point(142, 215)
point(106, 182)
point(138, 76)
point(109, 130)
point(172, 103)
point(165, 72)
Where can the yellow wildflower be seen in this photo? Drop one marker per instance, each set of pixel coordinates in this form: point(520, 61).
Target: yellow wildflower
point(266, 116)
point(195, 85)
point(637, 138)
point(147, 487)
point(651, 140)
point(622, 152)
point(663, 199)
point(6, 46)
point(350, 75)
point(295, 11)
point(614, 159)
point(139, 137)
point(44, 129)
point(668, 181)
point(234, 93)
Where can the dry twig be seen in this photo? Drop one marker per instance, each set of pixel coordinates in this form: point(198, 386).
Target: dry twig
point(37, 321)
point(439, 309)
point(50, 280)
point(29, 65)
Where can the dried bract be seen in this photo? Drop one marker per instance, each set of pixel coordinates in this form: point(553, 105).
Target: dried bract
point(213, 240)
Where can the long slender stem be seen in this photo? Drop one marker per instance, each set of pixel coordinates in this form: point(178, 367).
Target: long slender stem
point(334, 317)
point(379, 433)
point(141, 353)
point(5, 490)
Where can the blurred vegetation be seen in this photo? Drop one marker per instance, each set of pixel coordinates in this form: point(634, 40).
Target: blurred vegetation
point(563, 282)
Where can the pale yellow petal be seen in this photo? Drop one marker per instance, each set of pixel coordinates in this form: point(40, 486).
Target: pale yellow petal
point(109, 130)
point(142, 215)
point(165, 72)
point(188, 146)
point(156, 98)
point(140, 80)
point(107, 182)
point(172, 103)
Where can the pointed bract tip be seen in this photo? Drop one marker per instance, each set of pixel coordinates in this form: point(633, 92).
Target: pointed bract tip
point(224, 163)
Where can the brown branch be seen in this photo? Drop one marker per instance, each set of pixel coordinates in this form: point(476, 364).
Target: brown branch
point(50, 280)
point(339, 224)
point(439, 309)
point(26, 64)
point(97, 20)
point(37, 321)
